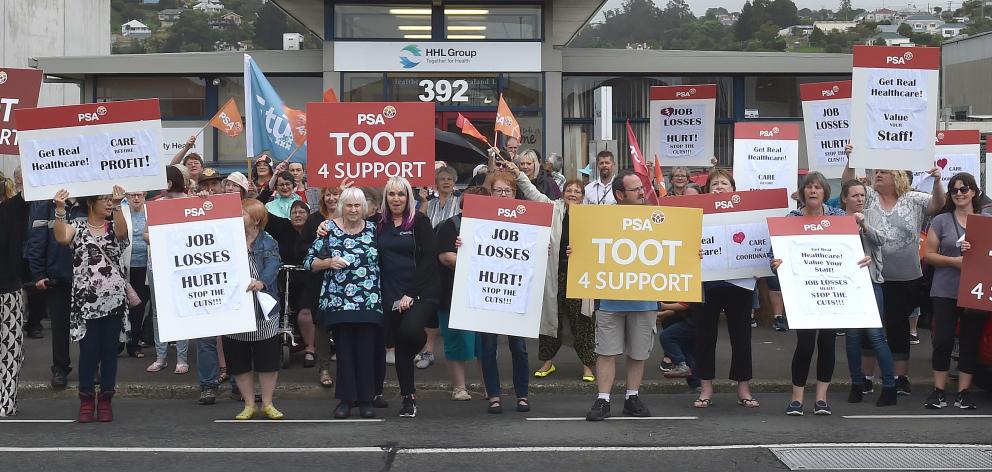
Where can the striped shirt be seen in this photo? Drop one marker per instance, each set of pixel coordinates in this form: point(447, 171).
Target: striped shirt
point(438, 213)
point(264, 328)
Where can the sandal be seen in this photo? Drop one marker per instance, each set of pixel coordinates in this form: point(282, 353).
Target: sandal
point(544, 373)
point(158, 365)
point(181, 368)
point(748, 403)
point(309, 360)
point(702, 403)
point(222, 375)
point(523, 406)
point(325, 379)
point(495, 407)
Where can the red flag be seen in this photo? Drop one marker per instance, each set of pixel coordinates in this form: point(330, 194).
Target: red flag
point(505, 122)
point(297, 123)
point(640, 167)
point(659, 177)
point(468, 128)
point(330, 96)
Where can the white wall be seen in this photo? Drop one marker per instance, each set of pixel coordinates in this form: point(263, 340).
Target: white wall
point(36, 28)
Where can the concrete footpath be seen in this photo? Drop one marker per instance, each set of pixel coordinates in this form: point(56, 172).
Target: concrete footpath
point(772, 356)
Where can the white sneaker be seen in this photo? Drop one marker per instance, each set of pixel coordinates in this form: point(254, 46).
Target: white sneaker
point(390, 357)
point(460, 395)
point(424, 360)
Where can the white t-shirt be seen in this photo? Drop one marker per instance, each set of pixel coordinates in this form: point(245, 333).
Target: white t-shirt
point(900, 228)
point(598, 193)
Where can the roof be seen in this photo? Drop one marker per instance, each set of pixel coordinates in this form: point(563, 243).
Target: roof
point(887, 28)
point(135, 24)
point(171, 11)
point(885, 35)
point(922, 18)
point(955, 25)
point(884, 11)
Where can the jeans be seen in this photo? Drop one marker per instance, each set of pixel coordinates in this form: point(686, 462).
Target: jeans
point(99, 347)
point(677, 340)
point(206, 362)
point(876, 338)
point(490, 367)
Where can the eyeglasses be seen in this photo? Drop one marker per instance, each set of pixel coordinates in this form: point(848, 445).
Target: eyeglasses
point(962, 190)
point(503, 191)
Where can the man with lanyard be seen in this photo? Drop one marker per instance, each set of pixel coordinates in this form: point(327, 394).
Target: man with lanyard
point(623, 327)
point(599, 191)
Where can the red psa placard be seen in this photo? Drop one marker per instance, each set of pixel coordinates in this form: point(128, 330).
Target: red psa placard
point(193, 209)
point(811, 225)
point(766, 130)
point(682, 92)
point(825, 90)
point(975, 289)
point(954, 137)
point(369, 142)
point(19, 88)
point(897, 57)
point(750, 200)
point(508, 210)
point(86, 114)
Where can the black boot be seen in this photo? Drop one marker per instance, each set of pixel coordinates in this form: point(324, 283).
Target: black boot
point(888, 397)
point(857, 392)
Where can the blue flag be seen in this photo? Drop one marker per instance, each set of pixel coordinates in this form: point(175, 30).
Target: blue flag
point(267, 128)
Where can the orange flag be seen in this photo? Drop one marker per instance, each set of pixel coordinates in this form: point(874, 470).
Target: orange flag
point(505, 122)
point(298, 123)
point(330, 96)
point(659, 177)
point(468, 128)
point(228, 119)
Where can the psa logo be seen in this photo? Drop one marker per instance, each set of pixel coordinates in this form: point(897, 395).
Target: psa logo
point(202, 211)
point(686, 93)
point(905, 58)
point(940, 136)
point(769, 132)
point(821, 226)
point(520, 210)
point(830, 92)
point(388, 112)
point(3, 77)
point(100, 111)
point(643, 224)
point(410, 56)
point(727, 204)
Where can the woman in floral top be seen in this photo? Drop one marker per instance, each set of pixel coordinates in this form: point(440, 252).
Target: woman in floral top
point(350, 305)
point(98, 309)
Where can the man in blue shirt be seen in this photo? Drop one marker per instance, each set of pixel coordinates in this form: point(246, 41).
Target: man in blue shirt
point(623, 327)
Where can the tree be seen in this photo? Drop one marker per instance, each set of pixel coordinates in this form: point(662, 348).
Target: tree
point(783, 13)
point(712, 13)
point(817, 38)
point(905, 30)
point(269, 27)
point(190, 33)
point(845, 11)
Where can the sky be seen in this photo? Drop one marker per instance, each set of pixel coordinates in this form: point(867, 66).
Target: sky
point(699, 6)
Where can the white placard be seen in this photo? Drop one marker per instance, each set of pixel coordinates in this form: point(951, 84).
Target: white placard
point(766, 161)
point(827, 123)
point(436, 56)
point(173, 140)
point(956, 151)
point(683, 123)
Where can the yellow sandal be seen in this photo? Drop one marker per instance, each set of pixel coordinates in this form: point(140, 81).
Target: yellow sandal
point(544, 373)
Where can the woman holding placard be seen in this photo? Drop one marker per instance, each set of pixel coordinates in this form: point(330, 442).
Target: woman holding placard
point(899, 213)
point(558, 308)
point(410, 281)
point(733, 297)
point(853, 198)
point(98, 313)
point(944, 248)
point(814, 192)
point(258, 350)
point(350, 304)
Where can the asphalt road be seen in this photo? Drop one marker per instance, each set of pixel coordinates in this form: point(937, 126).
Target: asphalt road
point(178, 434)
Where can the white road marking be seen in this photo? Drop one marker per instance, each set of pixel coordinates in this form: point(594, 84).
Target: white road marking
point(472, 450)
point(372, 420)
point(37, 421)
point(612, 418)
point(910, 417)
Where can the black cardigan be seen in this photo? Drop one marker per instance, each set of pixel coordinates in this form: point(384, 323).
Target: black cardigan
point(426, 280)
point(14, 215)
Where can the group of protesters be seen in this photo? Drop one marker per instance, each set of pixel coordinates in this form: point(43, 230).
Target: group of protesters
point(373, 278)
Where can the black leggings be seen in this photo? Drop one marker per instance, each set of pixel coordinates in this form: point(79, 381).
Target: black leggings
point(736, 304)
point(946, 314)
point(808, 340)
point(136, 314)
point(898, 300)
point(408, 327)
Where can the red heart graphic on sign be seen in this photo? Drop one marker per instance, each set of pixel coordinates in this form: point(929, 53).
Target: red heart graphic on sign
point(942, 163)
point(739, 237)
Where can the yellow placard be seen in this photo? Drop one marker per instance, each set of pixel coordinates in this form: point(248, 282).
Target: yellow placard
point(635, 252)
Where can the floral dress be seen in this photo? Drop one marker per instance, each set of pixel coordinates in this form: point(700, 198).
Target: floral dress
point(351, 294)
point(97, 283)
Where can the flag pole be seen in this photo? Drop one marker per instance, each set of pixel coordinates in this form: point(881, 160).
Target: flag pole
point(204, 127)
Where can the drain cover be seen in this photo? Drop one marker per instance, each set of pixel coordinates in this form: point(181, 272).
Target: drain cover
point(884, 458)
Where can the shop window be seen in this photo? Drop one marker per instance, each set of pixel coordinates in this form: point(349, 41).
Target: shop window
point(777, 96)
point(362, 87)
point(179, 97)
point(630, 94)
point(392, 21)
point(446, 90)
point(473, 22)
